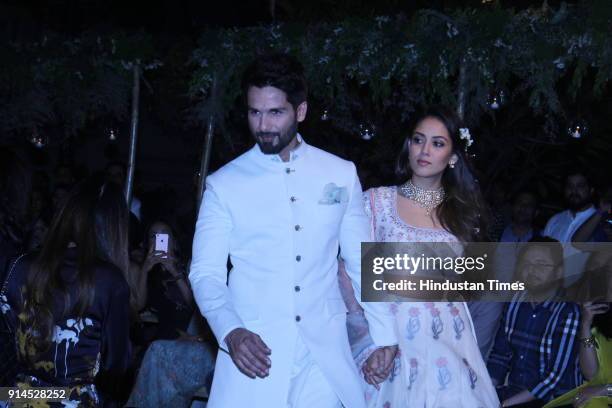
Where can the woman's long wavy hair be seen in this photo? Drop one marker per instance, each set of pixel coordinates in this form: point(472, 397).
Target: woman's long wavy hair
point(94, 216)
point(463, 211)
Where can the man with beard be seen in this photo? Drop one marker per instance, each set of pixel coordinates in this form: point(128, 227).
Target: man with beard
point(281, 211)
point(527, 373)
point(578, 195)
point(562, 226)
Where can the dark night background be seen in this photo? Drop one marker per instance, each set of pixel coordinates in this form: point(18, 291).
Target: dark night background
point(170, 147)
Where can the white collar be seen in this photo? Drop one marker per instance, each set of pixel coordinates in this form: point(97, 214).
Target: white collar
point(580, 214)
point(296, 153)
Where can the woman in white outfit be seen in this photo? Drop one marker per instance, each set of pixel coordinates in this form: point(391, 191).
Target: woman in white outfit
point(439, 364)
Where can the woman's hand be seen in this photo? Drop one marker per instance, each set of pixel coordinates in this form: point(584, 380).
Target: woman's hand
point(585, 394)
point(153, 258)
point(589, 310)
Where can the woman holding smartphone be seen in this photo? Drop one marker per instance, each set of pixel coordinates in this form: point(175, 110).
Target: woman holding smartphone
point(163, 288)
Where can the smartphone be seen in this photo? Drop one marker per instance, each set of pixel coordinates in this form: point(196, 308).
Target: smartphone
point(161, 242)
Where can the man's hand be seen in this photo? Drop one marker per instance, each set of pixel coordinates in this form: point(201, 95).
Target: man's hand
point(249, 353)
point(379, 365)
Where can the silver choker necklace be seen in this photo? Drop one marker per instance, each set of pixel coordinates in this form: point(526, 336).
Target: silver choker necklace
point(428, 199)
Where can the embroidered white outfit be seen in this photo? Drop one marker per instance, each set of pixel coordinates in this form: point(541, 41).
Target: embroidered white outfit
point(439, 363)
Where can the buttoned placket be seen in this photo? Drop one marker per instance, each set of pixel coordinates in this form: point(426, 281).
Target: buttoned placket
point(293, 198)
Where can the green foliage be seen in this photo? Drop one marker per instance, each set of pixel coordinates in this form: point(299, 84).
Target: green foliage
point(69, 81)
point(372, 65)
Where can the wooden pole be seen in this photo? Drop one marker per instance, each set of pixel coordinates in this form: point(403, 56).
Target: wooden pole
point(206, 150)
point(461, 94)
point(129, 183)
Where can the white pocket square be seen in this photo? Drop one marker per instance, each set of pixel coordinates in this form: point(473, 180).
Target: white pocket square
point(332, 194)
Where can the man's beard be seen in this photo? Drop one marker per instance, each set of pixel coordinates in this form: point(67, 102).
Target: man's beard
point(275, 142)
point(576, 203)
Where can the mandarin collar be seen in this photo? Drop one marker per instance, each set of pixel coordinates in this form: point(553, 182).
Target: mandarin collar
point(294, 155)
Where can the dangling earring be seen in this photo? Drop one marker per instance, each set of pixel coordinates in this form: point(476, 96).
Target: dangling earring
point(451, 164)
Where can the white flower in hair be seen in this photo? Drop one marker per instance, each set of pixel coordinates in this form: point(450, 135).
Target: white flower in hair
point(464, 134)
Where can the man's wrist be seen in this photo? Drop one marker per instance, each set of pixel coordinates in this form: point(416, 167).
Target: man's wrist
point(229, 337)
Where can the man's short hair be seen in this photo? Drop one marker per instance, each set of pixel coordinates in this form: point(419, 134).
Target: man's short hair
point(280, 71)
point(531, 193)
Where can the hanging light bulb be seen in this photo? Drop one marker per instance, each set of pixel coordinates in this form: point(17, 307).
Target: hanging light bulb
point(325, 115)
point(496, 100)
point(577, 130)
point(37, 140)
point(367, 131)
point(112, 134)
point(39, 143)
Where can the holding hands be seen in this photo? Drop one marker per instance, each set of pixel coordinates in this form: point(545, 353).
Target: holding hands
point(379, 365)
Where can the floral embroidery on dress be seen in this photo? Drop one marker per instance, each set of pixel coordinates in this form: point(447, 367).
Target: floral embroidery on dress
point(471, 374)
point(414, 324)
point(414, 371)
point(458, 324)
point(444, 375)
point(437, 326)
point(397, 363)
point(393, 308)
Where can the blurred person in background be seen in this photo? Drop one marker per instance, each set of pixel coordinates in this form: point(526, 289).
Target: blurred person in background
point(595, 360)
point(69, 303)
point(563, 225)
point(525, 373)
point(164, 294)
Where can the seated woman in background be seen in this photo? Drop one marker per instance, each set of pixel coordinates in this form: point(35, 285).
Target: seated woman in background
point(175, 366)
point(595, 360)
point(595, 335)
point(164, 295)
point(69, 303)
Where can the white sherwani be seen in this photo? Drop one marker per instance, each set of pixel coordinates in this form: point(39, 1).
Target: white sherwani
point(281, 224)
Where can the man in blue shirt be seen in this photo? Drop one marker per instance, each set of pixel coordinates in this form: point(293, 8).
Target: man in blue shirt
point(535, 346)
